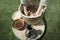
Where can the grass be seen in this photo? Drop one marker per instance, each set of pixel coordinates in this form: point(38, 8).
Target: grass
point(52, 15)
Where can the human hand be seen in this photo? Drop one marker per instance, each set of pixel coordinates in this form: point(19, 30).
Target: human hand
point(25, 10)
point(39, 10)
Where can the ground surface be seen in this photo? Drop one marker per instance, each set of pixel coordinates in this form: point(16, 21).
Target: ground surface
point(52, 15)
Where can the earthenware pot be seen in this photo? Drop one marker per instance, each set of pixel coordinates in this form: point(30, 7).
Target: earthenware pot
point(31, 19)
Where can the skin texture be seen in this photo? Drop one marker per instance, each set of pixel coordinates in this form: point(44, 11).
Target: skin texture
point(39, 10)
point(25, 10)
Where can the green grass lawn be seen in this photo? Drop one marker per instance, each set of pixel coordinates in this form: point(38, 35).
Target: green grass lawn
point(52, 15)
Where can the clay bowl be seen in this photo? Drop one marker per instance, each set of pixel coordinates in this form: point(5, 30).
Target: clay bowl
point(18, 24)
point(33, 20)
